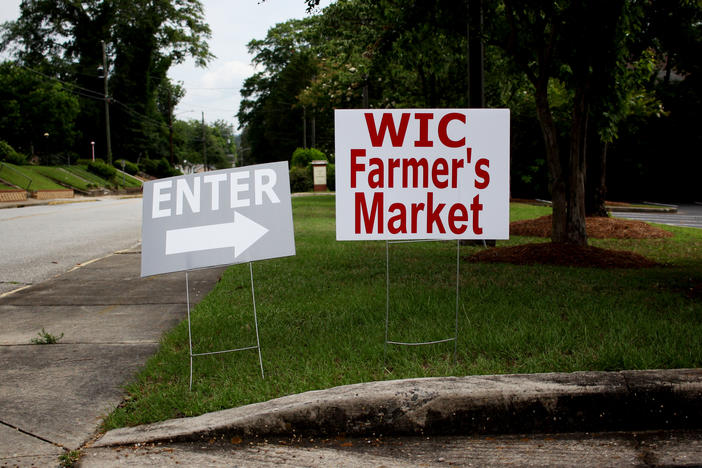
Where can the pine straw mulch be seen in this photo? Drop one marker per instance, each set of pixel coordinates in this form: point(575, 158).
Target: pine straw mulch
point(573, 255)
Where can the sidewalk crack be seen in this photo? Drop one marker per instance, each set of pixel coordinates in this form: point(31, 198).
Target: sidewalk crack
point(19, 429)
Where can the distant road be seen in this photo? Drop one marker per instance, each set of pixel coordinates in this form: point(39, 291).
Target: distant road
point(687, 215)
point(39, 242)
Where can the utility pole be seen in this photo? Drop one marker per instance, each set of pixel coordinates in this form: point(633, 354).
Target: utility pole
point(107, 106)
point(314, 132)
point(204, 143)
point(170, 124)
point(364, 99)
point(304, 127)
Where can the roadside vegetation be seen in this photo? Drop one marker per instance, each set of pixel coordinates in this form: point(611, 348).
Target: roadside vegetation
point(77, 177)
point(322, 318)
point(27, 178)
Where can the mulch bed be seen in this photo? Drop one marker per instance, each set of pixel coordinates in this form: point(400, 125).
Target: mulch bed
point(573, 255)
point(597, 228)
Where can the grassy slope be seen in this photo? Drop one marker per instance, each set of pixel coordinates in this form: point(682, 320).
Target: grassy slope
point(48, 178)
point(64, 176)
point(82, 172)
point(39, 181)
point(322, 314)
point(125, 180)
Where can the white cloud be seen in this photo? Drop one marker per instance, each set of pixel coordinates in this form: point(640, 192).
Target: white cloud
point(9, 10)
point(227, 74)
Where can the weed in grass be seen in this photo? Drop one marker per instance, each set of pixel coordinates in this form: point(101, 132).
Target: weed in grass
point(45, 337)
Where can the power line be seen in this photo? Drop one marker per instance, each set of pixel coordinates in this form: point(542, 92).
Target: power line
point(95, 95)
point(66, 83)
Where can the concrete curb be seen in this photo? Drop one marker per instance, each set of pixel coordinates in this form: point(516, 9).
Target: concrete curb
point(65, 201)
point(493, 404)
point(641, 209)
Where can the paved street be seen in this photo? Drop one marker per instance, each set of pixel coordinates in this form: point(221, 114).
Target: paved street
point(39, 242)
point(687, 215)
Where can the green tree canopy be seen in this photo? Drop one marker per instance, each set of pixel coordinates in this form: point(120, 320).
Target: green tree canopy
point(143, 38)
point(38, 115)
point(219, 148)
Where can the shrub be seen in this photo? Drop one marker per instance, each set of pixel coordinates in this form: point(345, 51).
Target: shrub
point(301, 179)
point(102, 169)
point(159, 168)
point(129, 167)
point(303, 156)
point(8, 154)
point(5, 149)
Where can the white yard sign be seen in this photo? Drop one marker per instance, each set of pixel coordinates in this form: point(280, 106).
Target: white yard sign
point(217, 218)
point(422, 174)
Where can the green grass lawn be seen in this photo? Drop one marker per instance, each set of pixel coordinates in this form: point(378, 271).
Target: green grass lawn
point(64, 176)
point(58, 177)
point(21, 176)
point(322, 318)
point(97, 181)
point(125, 180)
point(6, 187)
point(82, 172)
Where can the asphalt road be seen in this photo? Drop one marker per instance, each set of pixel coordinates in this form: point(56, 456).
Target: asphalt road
point(687, 215)
point(39, 242)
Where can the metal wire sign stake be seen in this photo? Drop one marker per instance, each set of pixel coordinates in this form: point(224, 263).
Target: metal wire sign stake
point(387, 302)
point(190, 339)
point(217, 218)
point(408, 175)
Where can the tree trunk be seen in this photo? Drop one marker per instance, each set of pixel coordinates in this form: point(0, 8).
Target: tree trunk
point(476, 91)
point(566, 172)
point(557, 181)
point(596, 182)
point(575, 196)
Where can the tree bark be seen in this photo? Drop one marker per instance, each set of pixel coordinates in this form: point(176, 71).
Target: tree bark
point(476, 86)
point(596, 181)
point(576, 233)
point(566, 172)
point(556, 180)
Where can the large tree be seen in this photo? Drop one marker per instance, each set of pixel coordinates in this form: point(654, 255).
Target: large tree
point(37, 115)
point(219, 145)
point(577, 43)
point(585, 62)
point(270, 110)
point(143, 39)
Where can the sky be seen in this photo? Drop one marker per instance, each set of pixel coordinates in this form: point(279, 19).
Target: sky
point(215, 90)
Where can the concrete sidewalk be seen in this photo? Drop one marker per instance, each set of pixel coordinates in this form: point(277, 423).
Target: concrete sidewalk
point(52, 397)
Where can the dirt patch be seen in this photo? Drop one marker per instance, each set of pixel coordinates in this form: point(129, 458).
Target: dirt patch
point(562, 255)
point(597, 228)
